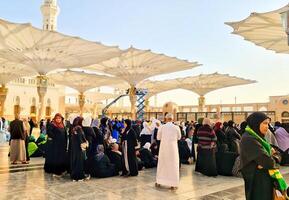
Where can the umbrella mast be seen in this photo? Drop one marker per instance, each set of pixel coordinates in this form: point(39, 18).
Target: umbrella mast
point(81, 102)
point(42, 82)
point(132, 98)
point(201, 103)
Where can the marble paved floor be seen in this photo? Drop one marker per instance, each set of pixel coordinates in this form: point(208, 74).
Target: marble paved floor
point(35, 184)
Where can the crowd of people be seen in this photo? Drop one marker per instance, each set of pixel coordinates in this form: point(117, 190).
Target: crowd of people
point(86, 147)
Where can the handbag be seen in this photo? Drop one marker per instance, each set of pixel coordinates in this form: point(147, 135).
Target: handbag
point(277, 195)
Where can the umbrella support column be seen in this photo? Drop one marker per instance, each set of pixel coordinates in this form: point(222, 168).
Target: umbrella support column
point(201, 103)
point(132, 98)
point(3, 95)
point(81, 101)
point(42, 82)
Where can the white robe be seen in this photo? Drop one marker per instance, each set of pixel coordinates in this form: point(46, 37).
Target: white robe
point(168, 163)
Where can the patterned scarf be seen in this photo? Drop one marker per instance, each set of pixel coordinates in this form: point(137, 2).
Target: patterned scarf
point(274, 173)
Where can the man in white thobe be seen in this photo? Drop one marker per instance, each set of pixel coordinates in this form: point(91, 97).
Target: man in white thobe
point(168, 163)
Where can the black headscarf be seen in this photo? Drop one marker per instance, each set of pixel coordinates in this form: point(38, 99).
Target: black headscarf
point(255, 119)
point(103, 121)
point(128, 122)
point(242, 127)
point(230, 123)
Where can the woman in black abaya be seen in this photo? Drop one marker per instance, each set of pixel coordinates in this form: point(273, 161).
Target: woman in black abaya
point(129, 142)
point(56, 153)
point(78, 150)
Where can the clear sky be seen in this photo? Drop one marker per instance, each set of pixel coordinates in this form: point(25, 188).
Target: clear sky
point(187, 29)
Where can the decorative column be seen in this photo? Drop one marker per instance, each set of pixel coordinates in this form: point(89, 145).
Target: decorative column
point(132, 98)
point(81, 102)
point(42, 82)
point(201, 103)
point(3, 95)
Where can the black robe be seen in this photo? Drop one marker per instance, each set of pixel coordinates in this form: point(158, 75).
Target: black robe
point(78, 156)
point(233, 138)
point(115, 159)
point(99, 137)
point(147, 157)
point(225, 162)
point(129, 142)
point(102, 167)
point(258, 183)
point(206, 158)
point(137, 129)
point(56, 153)
point(92, 148)
point(184, 152)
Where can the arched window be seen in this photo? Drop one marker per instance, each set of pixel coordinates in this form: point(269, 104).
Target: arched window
point(285, 114)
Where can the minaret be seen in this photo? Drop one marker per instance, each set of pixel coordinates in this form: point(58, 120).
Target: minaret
point(50, 11)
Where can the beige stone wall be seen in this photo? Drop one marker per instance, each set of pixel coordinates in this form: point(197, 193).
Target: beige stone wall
point(278, 103)
point(26, 92)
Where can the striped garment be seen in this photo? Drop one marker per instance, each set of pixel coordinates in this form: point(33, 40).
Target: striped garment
point(206, 137)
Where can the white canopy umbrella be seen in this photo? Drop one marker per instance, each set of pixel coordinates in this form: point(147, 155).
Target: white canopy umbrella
point(10, 71)
point(201, 84)
point(135, 65)
point(155, 87)
point(96, 96)
point(44, 51)
point(82, 82)
point(265, 29)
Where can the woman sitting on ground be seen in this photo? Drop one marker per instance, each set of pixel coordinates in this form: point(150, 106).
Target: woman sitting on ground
point(114, 156)
point(102, 167)
point(147, 157)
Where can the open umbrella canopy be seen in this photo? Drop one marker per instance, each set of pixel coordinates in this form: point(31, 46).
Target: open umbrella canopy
point(155, 87)
point(205, 83)
point(96, 96)
point(10, 71)
point(265, 29)
point(45, 51)
point(201, 84)
point(81, 81)
point(135, 65)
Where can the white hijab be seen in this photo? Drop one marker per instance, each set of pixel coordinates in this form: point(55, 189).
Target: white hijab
point(146, 129)
point(86, 121)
